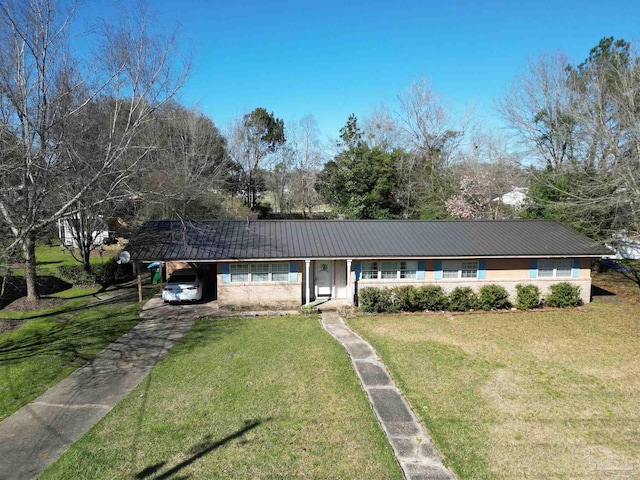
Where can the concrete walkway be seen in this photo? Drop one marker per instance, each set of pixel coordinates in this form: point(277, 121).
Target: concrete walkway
point(411, 444)
point(37, 434)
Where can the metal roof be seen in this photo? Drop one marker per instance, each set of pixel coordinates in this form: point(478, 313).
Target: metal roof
point(298, 239)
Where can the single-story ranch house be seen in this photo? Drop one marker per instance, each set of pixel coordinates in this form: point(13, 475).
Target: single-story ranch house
point(295, 262)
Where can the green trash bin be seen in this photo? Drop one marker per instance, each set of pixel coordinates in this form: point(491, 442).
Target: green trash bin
point(156, 275)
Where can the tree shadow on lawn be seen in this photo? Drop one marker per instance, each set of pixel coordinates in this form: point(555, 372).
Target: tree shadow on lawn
point(16, 287)
point(66, 339)
point(122, 297)
point(197, 451)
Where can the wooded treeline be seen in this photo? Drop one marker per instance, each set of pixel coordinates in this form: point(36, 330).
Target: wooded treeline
point(94, 132)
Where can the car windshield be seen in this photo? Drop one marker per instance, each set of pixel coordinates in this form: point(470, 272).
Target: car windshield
point(182, 279)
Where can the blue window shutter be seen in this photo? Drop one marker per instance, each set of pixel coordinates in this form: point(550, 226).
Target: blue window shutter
point(482, 269)
point(533, 269)
point(437, 270)
point(357, 268)
point(226, 275)
point(420, 272)
point(293, 272)
point(575, 271)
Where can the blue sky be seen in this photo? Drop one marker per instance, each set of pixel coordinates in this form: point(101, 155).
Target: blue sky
point(329, 58)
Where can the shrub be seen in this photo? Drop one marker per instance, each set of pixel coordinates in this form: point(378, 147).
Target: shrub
point(493, 297)
point(431, 297)
point(563, 295)
point(375, 300)
point(527, 297)
point(462, 299)
point(110, 272)
point(404, 298)
point(105, 274)
point(75, 275)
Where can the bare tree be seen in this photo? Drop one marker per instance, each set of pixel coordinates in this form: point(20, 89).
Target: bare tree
point(188, 167)
point(44, 83)
point(307, 155)
point(541, 109)
point(432, 140)
point(582, 123)
point(381, 130)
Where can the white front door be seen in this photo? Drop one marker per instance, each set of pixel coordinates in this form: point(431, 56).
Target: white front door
point(324, 278)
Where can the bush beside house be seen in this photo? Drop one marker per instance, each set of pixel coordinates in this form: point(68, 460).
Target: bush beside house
point(461, 299)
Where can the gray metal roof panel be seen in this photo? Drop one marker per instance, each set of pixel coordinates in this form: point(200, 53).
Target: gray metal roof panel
point(272, 239)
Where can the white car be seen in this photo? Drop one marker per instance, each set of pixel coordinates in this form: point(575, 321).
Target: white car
point(183, 285)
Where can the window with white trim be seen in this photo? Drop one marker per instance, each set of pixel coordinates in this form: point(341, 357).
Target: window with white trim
point(549, 268)
point(389, 270)
point(259, 272)
point(369, 270)
point(239, 272)
point(460, 269)
point(408, 269)
point(279, 272)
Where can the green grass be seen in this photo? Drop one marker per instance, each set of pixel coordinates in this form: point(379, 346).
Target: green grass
point(53, 343)
point(522, 395)
point(76, 298)
point(48, 258)
point(240, 398)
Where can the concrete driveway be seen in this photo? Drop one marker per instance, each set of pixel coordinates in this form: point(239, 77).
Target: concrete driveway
point(37, 434)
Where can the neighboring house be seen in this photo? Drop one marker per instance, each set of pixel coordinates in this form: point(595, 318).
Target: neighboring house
point(67, 233)
point(625, 246)
point(294, 262)
point(516, 197)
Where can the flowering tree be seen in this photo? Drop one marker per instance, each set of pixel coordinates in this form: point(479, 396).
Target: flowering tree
point(477, 197)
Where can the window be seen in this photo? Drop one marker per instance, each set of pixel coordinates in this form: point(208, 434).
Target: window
point(469, 269)
point(259, 272)
point(280, 272)
point(369, 270)
point(408, 269)
point(462, 269)
point(389, 270)
point(554, 268)
point(239, 273)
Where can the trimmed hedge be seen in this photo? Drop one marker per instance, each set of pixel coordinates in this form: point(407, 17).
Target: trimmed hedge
point(493, 297)
point(527, 297)
point(432, 298)
point(462, 299)
point(563, 295)
point(409, 298)
point(375, 300)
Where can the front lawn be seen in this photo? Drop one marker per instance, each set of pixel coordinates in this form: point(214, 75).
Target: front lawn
point(48, 345)
point(240, 398)
point(551, 394)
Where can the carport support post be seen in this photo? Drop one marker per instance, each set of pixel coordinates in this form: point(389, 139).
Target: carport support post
point(349, 295)
point(307, 264)
point(139, 275)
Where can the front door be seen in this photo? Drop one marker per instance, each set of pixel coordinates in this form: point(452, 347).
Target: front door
point(324, 278)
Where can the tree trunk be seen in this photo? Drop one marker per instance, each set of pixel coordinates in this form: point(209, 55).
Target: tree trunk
point(29, 248)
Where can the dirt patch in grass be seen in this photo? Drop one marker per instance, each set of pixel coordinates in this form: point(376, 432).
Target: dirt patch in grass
point(24, 305)
point(9, 324)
